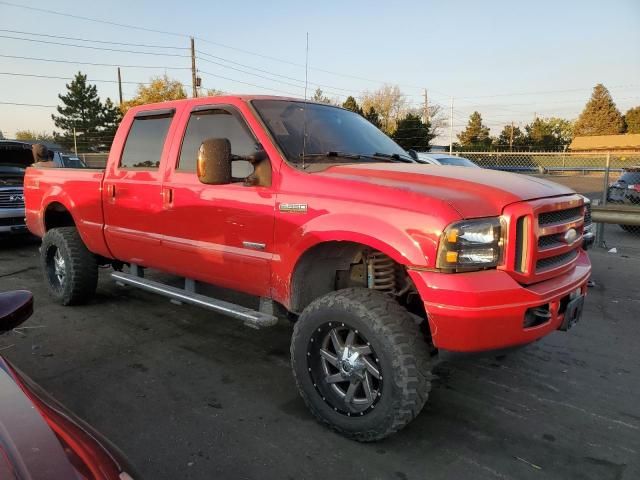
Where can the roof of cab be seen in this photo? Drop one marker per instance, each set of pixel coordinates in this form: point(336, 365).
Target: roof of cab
point(214, 99)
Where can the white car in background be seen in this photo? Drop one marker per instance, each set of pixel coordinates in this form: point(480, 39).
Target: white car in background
point(443, 159)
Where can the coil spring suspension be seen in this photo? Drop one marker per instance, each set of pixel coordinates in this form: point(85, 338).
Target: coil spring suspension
point(381, 273)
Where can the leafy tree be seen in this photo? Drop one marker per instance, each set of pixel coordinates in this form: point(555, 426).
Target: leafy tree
point(476, 135)
point(600, 115)
point(81, 110)
point(32, 135)
point(412, 132)
point(160, 89)
point(389, 102)
point(214, 92)
point(632, 119)
point(351, 104)
point(549, 134)
point(319, 96)
point(373, 117)
point(511, 136)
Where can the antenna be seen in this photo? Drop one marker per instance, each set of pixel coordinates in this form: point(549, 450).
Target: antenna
point(304, 105)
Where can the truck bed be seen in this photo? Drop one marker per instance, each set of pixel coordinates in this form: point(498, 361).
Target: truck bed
point(78, 190)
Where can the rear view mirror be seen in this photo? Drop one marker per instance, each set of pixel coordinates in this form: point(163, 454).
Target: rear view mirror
point(15, 308)
point(214, 161)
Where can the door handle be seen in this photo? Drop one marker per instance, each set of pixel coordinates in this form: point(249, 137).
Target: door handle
point(111, 190)
point(167, 197)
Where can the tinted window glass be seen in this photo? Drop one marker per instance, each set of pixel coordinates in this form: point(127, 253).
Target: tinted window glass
point(456, 161)
point(145, 142)
point(216, 123)
point(325, 129)
point(630, 178)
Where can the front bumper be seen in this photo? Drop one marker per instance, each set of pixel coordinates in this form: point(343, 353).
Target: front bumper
point(486, 310)
point(12, 220)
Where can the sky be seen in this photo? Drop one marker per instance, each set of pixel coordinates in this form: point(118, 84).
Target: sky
point(508, 60)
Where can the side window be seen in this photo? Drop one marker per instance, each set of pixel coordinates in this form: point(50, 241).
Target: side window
point(144, 144)
point(217, 123)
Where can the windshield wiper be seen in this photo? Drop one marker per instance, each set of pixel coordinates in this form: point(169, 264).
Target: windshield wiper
point(392, 156)
point(331, 154)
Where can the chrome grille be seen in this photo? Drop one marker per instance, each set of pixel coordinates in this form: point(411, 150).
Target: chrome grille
point(545, 264)
point(560, 216)
point(12, 198)
point(587, 214)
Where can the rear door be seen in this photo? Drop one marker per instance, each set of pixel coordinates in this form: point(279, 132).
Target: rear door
point(132, 190)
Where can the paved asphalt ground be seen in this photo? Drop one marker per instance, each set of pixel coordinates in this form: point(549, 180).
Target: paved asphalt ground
point(190, 395)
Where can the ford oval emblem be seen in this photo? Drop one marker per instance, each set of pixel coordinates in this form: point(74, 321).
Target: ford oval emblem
point(570, 236)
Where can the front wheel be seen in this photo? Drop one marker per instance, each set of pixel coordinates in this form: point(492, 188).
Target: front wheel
point(361, 363)
point(70, 270)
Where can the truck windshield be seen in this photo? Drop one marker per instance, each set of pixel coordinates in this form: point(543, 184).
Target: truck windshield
point(333, 135)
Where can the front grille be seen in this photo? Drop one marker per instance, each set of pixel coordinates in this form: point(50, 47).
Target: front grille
point(560, 216)
point(550, 241)
point(557, 261)
point(12, 198)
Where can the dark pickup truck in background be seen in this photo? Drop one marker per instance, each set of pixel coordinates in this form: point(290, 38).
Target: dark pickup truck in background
point(15, 157)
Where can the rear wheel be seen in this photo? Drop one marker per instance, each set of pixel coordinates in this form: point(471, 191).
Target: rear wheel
point(70, 270)
point(361, 363)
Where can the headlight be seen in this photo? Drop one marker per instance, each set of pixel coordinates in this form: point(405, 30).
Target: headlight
point(471, 245)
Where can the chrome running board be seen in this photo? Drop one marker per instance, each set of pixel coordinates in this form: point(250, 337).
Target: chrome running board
point(251, 318)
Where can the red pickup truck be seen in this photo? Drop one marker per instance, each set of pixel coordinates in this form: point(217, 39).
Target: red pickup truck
point(381, 262)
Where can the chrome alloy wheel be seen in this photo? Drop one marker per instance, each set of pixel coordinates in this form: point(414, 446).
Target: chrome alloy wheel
point(344, 369)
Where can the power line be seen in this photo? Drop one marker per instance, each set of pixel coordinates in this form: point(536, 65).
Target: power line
point(92, 63)
point(90, 47)
point(109, 42)
point(53, 77)
point(544, 92)
point(28, 104)
point(247, 83)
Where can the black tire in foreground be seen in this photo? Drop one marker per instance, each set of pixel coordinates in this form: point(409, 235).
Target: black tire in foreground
point(70, 270)
point(361, 363)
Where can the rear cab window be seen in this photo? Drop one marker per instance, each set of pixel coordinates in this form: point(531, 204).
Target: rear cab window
point(145, 141)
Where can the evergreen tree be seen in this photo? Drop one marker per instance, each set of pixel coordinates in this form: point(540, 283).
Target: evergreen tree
point(373, 117)
point(600, 115)
point(111, 117)
point(319, 96)
point(351, 104)
point(1, 135)
point(476, 135)
point(509, 138)
point(412, 133)
point(632, 119)
point(81, 110)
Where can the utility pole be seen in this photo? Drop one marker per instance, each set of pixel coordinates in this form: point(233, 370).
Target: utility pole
point(120, 86)
point(426, 108)
point(451, 127)
point(511, 138)
point(75, 143)
point(194, 78)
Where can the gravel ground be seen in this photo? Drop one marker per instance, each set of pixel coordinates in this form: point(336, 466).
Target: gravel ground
point(190, 395)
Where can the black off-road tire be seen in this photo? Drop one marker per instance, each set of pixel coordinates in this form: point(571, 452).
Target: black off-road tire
point(80, 265)
point(400, 348)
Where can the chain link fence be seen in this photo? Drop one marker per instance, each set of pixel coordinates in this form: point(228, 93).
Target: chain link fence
point(607, 178)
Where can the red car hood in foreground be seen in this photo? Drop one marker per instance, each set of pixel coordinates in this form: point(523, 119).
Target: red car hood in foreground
point(39, 439)
point(472, 192)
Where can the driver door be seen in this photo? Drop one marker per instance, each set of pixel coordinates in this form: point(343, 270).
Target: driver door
point(219, 234)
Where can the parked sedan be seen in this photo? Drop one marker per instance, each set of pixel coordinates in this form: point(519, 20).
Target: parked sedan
point(626, 191)
point(39, 438)
point(444, 159)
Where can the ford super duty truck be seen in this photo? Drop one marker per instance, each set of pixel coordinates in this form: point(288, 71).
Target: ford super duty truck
point(381, 263)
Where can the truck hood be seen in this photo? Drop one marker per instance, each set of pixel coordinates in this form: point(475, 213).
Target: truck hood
point(470, 191)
